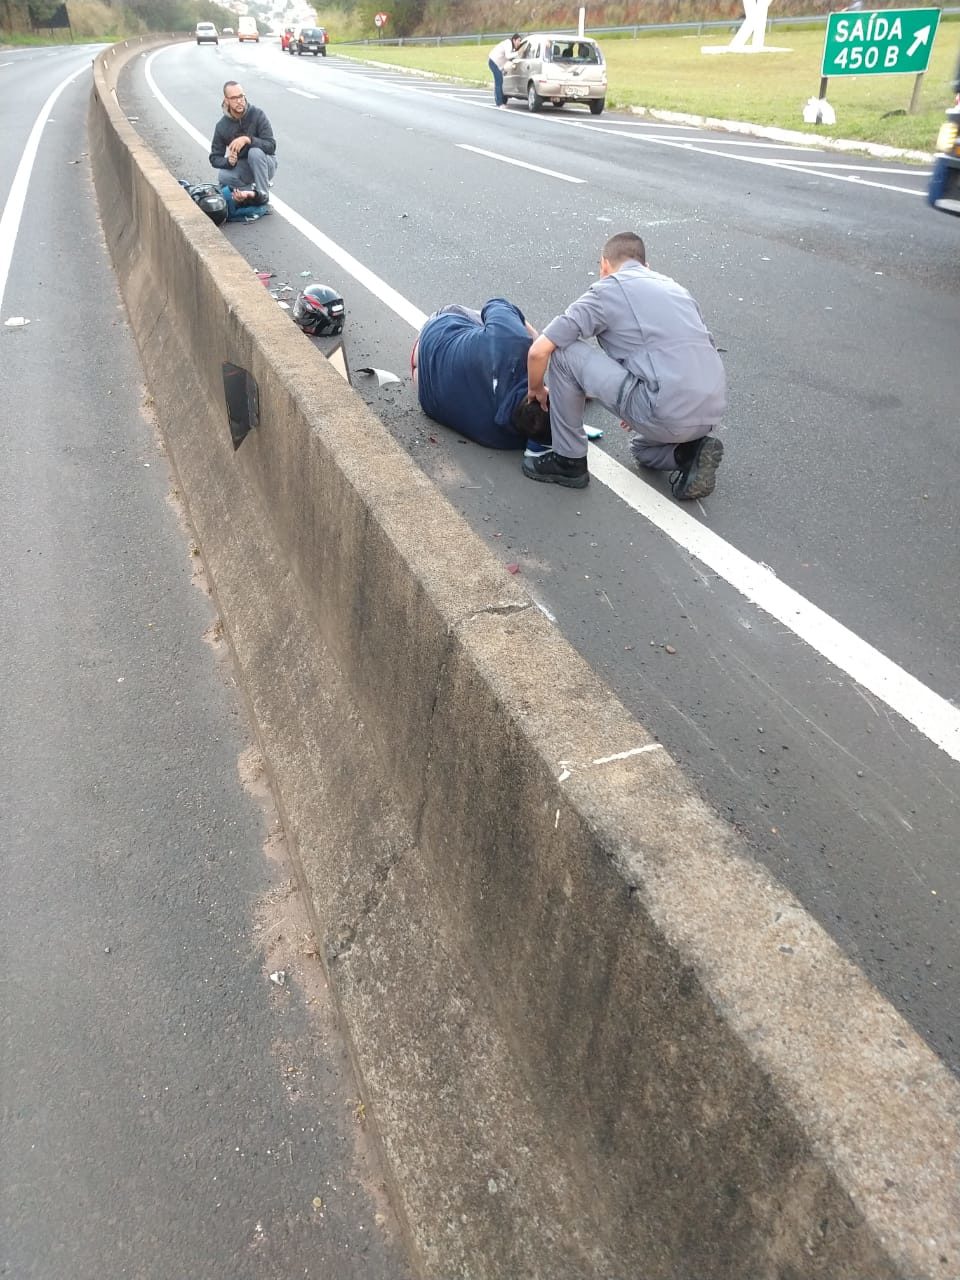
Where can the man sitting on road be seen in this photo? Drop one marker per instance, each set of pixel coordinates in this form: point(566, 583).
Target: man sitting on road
point(244, 150)
point(656, 367)
point(470, 368)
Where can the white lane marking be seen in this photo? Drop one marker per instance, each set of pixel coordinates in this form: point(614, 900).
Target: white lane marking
point(521, 164)
point(770, 162)
point(6, 64)
point(861, 168)
point(303, 93)
point(621, 131)
point(13, 209)
point(932, 715)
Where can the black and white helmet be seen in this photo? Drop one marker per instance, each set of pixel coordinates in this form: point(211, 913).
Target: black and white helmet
point(210, 199)
point(319, 310)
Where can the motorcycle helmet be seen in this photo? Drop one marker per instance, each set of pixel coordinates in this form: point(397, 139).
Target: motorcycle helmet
point(319, 310)
point(210, 199)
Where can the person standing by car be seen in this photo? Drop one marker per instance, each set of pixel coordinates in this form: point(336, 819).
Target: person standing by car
point(656, 367)
point(244, 150)
point(470, 368)
point(500, 55)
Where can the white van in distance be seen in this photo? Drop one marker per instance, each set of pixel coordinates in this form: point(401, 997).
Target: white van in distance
point(247, 29)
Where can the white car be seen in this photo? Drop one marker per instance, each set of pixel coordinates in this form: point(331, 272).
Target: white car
point(207, 33)
point(557, 69)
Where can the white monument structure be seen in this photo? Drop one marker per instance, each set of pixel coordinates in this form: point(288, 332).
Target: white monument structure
point(750, 36)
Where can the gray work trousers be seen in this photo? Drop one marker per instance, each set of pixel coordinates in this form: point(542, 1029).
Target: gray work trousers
point(583, 370)
point(255, 169)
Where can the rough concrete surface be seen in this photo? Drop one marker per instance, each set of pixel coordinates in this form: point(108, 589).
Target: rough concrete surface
point(595, 1039)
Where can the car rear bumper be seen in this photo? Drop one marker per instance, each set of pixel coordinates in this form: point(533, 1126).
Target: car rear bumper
point(569, 90)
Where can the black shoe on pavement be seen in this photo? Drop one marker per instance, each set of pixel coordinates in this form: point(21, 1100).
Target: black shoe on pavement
point(554, 468)
point(697, 461)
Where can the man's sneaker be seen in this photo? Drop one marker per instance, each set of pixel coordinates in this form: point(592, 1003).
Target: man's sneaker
point(534, 450)
point(697, 461)
point(554, 468)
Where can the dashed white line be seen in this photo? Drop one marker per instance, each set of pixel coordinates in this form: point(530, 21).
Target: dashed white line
point(521, 164)
point(934, 717)
point(303, 93)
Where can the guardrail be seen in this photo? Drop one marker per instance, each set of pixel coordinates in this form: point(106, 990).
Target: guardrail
point(633, 30)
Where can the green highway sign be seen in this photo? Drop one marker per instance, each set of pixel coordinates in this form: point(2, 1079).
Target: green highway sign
point(881, 42)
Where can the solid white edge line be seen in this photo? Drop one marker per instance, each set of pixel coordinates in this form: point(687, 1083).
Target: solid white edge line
point(521, 164)
point(13, 209)
point(932, 715)
point(768, 162)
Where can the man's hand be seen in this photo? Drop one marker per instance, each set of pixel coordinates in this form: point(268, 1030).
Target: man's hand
point(234, 149)
point(538, 357)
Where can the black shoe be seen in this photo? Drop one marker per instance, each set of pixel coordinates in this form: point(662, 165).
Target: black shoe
point(697, 461)
point(554, 468)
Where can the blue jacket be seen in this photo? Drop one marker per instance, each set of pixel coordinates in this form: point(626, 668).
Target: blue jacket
point(471, 377)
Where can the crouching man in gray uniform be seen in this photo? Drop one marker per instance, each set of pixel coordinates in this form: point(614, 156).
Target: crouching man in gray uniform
point(657, 367)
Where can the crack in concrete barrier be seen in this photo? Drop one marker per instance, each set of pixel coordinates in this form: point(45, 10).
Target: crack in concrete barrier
point(371, 900)
point(503, 610)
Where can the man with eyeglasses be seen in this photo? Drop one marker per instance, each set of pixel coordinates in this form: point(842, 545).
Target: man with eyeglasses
point(244, 150)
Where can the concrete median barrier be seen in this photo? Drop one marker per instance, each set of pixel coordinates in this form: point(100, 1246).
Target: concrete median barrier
point(594, 1037)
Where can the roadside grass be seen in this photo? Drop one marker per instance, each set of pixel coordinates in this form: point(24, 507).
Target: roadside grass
point(669, 73)
point(20, 39)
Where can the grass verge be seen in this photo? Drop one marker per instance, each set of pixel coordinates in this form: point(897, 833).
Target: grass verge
point(670, 73)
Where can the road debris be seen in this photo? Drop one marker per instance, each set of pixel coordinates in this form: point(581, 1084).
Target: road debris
point(279, 978)
point(384, 377)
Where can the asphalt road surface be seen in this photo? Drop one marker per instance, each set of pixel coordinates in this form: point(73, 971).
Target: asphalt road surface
point(812, 601)
point(167, 1110)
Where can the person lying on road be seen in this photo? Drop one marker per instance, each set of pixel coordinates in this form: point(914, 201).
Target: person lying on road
point(470, 368)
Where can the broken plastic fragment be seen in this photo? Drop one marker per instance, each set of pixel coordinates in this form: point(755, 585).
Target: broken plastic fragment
point(384, 377)
point(279, 978)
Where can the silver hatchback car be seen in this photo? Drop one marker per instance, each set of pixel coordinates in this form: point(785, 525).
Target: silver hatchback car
point(557, 69)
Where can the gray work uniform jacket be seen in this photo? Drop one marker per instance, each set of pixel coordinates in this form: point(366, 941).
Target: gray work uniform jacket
point(652, 327)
